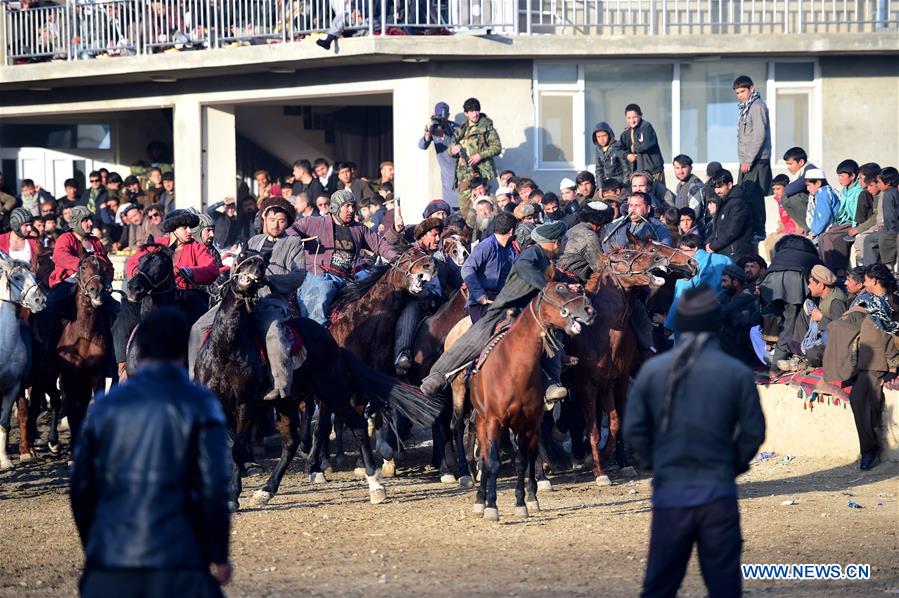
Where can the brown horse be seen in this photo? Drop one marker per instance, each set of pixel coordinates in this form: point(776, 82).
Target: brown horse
point(84, 345)
point(607, 351)
point(507, 391)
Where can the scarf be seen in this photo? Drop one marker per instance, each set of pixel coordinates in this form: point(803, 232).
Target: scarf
point(744, 108)
point(880, 312)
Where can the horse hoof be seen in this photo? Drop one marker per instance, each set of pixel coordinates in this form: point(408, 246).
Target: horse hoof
point(521, 511)
point(359, 472)
point(478, 508)
point(377, 496)
point(262, 498)
point(545, 485)
point(447, 478)
point(327, 467)
point(533, 507)
point(54, 448)
point(317, 478)
point(603, 480)
point(388, 469)
point(629, 471)
point(466, 481)
point(491, 514)
point(233, 506)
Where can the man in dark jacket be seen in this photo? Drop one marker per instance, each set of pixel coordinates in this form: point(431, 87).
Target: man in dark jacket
point(695, 446)
point(611, 159)
point(731, 233)
point(150, 478)
point(741, 313)
point(642, 145)
point(527, 278)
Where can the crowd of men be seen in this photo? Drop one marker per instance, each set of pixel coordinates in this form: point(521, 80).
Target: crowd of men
point(321, 226)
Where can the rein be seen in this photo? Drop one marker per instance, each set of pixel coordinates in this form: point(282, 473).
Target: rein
point(395, 266)
point(550, 343)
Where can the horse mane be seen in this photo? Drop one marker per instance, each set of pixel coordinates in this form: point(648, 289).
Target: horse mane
point(357, 289)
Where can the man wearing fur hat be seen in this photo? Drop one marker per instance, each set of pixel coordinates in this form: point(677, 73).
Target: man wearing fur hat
point(526, 279)
point(583, 243)
point(284, 273)
point(334, 243)
point(427, 237)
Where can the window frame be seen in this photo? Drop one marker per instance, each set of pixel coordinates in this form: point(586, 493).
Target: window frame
point(574, 91)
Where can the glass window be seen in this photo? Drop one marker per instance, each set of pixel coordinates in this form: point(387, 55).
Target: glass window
point(556, 74)
point(708, 112)
point(556, 128)
point(611, 87)
point(792, 126)
point(787, 72)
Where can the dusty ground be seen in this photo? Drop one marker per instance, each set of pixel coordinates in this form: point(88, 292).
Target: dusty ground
point(424, 541)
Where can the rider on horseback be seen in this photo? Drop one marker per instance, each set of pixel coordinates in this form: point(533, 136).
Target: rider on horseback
point(583, 247)
point(20, 242)
point(66, 257)
point(527, 278)
point(427, 237)
point(284, 273)
point(334, 244)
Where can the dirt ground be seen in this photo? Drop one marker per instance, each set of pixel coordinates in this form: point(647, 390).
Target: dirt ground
point(424, 541)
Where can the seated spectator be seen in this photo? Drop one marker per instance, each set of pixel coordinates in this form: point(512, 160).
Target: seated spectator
point(303, 205)
point(827, 304)
point(823, 202)
point(885, 239)
point(687, 224)
point(785, 225)
point(741, 312)
point(48, 207)
point(867, 178)
point(854, 208)
point(323, 205)
point(95, 194)
point(855, 284)
point(167, 197)
point(361, 189)
point(31, 195)
point(755, 269)
point(107, 217)
point(131, 191)
point(504, 201)
point(671, 218)
point(71, 194)
point(567, 191)
point(795, 198)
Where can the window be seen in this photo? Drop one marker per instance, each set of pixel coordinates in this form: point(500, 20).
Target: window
point(708, 108)
point(794, 92)
point(556, 128)
point(611, 87)
point(560, 117)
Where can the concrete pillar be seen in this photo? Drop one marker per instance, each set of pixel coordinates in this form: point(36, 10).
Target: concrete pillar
point(417, 172)
point(219, 154)
point(187, 132)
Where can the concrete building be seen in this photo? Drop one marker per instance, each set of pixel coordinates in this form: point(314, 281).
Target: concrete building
point(545, 72)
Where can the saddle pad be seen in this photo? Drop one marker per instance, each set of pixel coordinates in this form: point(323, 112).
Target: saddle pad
point(297, 346)
point(490, 346)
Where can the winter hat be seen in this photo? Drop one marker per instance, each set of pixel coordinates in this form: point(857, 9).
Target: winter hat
point(282, 205)
point(205, 222)
point(79, 214)
point(179, 218)
point(597, 213)
point(549, 232)
point(426, 226)
point(603, 126)
point(340, 197)
point(524, 234)
point(735, 272)
point(441, 110)
point(698, 310)
point(503, 191)
point(524, 210)
point(437, 205)
point(815, 174)
point(18, 217)
point(823, 275)
point(567, 183)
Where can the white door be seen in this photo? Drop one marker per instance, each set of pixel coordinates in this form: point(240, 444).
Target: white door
point(47, 168)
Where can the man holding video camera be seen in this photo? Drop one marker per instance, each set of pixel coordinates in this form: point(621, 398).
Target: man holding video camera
point(439, 130)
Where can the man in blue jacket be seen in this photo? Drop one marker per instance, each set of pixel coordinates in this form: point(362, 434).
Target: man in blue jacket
point(150, 478)
point(490, 262)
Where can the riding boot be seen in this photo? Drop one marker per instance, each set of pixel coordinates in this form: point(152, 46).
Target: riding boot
point(404, 336)
point(279, 342)
point(465, 349)
point(325, 42)
point(551, 372)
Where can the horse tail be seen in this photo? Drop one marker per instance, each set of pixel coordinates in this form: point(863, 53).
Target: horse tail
point(385, 392)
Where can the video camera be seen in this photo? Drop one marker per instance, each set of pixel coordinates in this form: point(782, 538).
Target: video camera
point(439, 126)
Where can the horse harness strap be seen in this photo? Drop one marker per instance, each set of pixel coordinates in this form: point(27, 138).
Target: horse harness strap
point(551, 344)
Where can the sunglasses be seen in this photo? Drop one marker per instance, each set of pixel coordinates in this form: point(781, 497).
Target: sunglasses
point(154, 215)
point(95, 180)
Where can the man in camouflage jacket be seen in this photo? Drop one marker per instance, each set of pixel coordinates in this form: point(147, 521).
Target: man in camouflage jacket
point(475, 144)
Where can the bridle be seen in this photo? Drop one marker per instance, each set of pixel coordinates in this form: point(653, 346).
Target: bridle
point(676, 251)
point(395, 266)
point(13, 269)
point(550, 342)
point(82, 285)
point(630, 263)
point(169, 278)
point(459, 245)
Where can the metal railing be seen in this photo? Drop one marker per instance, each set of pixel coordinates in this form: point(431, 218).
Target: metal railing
point(84, 29)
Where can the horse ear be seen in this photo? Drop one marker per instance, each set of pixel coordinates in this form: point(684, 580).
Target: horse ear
point(151, 240)
point(632, 238)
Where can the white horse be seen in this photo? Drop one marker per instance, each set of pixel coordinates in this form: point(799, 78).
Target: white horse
point(18, 286)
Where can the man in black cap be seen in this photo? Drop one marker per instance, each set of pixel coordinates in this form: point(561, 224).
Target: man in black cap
point(526, 279)
point(583, 244)
point(695, 444)
point(741, 313)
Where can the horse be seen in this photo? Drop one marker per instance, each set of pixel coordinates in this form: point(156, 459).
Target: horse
point(231, 362)
point(507, 391)
point(83, 347)
point(18, 287)
point(607, 350)
point(364, 314)
point(454, 247)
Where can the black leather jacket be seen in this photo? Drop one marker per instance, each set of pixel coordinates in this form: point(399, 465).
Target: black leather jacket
point(151, 474)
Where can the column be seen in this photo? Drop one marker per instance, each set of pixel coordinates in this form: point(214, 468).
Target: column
point(187, 132)
point(219, 153)
point(417, 172)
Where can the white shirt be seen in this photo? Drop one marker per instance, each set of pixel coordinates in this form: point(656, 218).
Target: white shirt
point(23, 254)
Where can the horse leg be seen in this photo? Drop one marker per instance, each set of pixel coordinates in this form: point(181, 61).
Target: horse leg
point(235, 486)
point(491, 473)
point(339, 449)
point(620, 398)
point(542, 481)
point(531, 500)
point(243, 425)
point(458, 430)
point(55, 409)
point(9, 397)
point(591, 426)
point(608, 405)
point(521, 467)
point(440, 431)
point(481, 494)
point(26, 452)
point(376, 491)
point(288, 426)
point(319, 439)
point(75, 405)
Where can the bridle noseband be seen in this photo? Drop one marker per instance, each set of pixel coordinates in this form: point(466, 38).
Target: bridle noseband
point(10, 285)
point(82, 285)
point(395, 266)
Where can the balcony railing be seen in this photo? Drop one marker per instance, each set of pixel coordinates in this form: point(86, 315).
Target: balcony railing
point(85, 29)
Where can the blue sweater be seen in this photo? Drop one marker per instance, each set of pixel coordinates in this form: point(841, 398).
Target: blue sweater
point(486, 269)
point(826, 208)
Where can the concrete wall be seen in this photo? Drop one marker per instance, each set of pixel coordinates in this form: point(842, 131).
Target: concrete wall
point(821, 429)
point(860, 110)
point(281, 135)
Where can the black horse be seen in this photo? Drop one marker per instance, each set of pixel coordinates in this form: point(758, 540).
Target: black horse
point(231, 362)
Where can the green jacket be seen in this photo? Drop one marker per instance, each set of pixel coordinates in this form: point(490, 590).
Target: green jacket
point(480, 138)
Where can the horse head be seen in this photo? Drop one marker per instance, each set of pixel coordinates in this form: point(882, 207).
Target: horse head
point(634, 267)
point(564, 307)
point(19, 285)
point(91, 280)
point(678, 260)
point(154, 273)
point(416, 268)
point(248, 273)
point(455, 248)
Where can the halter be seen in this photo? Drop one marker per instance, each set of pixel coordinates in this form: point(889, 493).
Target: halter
point(677, 251)
point(395, 265)
point(153, 287)
point(550, 343)
point(630, 264)
point(255, 280)
point(458, 241)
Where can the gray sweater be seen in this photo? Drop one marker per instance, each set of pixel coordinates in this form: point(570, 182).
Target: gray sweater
point(754, 134)
point(286, 267)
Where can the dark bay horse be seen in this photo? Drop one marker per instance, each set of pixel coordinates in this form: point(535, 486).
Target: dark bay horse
point(607, 350)
point(507, 391)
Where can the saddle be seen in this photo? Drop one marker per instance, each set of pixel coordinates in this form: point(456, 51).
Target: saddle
point(499, 331)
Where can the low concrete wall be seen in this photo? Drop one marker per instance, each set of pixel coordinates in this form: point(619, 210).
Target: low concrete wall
point(822, 429)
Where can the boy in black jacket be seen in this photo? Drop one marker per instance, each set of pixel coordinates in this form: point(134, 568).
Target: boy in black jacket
point(642, 145)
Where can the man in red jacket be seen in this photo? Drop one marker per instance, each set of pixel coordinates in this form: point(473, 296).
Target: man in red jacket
point(20, 242)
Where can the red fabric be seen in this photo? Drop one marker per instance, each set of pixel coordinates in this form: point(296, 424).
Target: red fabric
point(787, 224)
point(66, 256)
point(297, 345)
point(35, 248)
point(194, 256)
